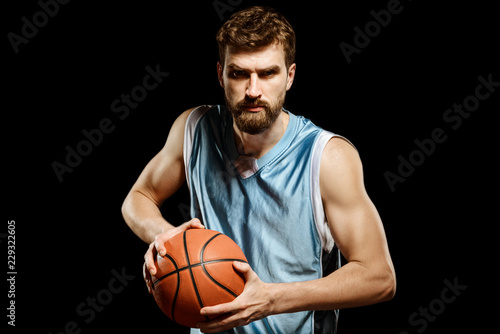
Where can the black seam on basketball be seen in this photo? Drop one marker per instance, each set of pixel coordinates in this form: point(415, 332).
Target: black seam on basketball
point(158, 280)
point(178, 285)
point(205, 246)
point(190, 266)
point(191, 272)
point(231, 292)
point(178, 270)
point(209, 241)
point(201, 263)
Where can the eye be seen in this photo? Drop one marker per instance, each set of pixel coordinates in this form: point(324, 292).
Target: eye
point(268, 73)
point(238, 74)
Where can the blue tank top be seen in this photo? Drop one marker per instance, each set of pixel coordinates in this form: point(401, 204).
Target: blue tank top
point(271, 207)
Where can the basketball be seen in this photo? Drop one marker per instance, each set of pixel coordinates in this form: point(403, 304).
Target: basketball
point(197, 271)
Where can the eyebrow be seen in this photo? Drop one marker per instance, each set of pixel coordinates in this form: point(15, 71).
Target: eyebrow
point(235, 67)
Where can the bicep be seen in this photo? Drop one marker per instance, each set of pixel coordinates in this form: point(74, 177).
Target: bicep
point(354, 221)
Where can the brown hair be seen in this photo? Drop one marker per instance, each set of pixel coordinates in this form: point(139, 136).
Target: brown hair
point(255, 27)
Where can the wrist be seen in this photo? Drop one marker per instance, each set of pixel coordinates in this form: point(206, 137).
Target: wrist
point(276, 296)
point(289, 297)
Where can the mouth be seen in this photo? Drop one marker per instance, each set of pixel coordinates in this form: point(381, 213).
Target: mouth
point(252, 108)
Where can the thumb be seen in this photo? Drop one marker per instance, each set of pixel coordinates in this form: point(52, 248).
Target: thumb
point(243, 268)
point(194, 223)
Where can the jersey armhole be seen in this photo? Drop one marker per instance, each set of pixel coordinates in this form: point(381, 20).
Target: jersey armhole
point(189, 131)
point(322, 226)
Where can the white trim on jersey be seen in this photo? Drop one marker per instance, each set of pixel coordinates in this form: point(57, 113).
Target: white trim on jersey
point(189, 129)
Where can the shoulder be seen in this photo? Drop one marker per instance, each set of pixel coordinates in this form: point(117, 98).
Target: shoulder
point(341, 171)
point(175, 140)
point(189, 116)
point(339, 151)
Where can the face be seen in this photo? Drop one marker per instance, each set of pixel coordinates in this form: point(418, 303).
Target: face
point(255, 84)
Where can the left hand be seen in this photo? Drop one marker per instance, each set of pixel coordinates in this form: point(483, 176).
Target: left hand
point(254, 303)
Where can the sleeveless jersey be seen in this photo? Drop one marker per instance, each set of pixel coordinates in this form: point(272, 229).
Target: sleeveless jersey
point(272, 210)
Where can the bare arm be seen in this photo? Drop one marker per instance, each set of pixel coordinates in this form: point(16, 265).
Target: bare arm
point(367, 278)
point(160, 179)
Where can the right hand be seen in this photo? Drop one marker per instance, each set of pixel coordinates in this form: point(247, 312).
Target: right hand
point(158, 247)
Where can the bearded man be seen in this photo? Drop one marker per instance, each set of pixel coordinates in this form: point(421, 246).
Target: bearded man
point(289, 193)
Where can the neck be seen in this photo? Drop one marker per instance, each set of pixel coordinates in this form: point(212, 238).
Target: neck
point(256, 146)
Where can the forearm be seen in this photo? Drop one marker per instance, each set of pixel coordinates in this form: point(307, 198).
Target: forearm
point(350, 286)
point(143, 216)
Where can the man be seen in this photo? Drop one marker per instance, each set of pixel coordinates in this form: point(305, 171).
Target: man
point(289, 193)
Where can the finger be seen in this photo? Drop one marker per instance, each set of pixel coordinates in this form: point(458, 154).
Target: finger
point(149, 259)
point(223, 321)
point(220, 309)
point(194, 223)
point(220, 324)
point(160, 245)
point(244, 268)
point(147, 278)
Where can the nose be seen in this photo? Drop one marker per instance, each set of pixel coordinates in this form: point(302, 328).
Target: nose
point(253, 89)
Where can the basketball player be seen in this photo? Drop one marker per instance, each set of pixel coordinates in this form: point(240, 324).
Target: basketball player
point(288, 192)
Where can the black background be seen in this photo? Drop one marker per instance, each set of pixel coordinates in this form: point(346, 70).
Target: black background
point(70, 236)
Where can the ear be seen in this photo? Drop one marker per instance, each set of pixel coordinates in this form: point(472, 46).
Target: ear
point(219, 74)
point(291, 76)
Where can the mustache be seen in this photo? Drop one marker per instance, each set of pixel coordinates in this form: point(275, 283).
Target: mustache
point(249, 102)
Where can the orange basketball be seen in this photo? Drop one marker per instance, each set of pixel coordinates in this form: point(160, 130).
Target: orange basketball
point(197, 271)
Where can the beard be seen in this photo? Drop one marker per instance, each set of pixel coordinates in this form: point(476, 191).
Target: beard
point(255, 123)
